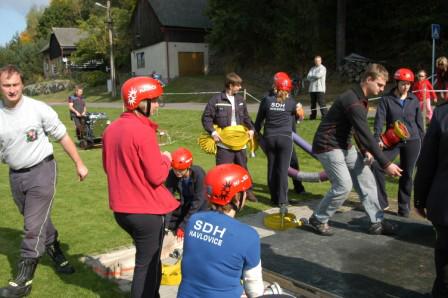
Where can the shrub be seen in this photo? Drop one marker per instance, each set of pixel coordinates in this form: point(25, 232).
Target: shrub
point(47, 87)
point(93, 78)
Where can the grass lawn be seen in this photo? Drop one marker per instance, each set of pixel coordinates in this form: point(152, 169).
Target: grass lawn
point(86, 224)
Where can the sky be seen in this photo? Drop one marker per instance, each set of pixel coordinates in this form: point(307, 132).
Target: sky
point(13, 17)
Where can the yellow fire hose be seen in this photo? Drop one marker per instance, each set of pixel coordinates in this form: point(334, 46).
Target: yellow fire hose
point(171, 274)
point(400, 130)
point(233, 137)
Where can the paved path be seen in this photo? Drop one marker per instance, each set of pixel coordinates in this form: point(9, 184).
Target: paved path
point(193, 106)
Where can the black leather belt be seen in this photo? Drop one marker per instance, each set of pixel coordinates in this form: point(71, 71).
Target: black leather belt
point(24, 170)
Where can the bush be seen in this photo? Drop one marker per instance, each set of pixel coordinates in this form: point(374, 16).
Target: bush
point(92, 78)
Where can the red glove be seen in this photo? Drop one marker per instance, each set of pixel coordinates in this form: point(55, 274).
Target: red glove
point(180, 233)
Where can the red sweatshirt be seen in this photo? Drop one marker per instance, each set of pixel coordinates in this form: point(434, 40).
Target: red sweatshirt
point(421, 85)
point(135, 168)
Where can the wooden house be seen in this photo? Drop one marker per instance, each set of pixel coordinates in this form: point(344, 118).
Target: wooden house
point(57, 53)
point(168, 37)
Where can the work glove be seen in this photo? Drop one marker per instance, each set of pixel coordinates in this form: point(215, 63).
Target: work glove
point(180, 233)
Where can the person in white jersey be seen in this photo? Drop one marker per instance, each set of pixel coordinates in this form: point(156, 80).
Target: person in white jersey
point(25, 125)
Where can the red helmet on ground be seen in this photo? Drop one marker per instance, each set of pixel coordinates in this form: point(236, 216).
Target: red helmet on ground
point(282, 81)
point(223, 182)
point(181, 159)
point(404, 74)
point(137, 89)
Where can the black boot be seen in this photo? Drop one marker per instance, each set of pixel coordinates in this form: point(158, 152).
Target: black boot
point(61, 263)
point(21, 285)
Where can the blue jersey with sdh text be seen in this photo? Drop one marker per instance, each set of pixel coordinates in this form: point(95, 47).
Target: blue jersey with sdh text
point(217, 248)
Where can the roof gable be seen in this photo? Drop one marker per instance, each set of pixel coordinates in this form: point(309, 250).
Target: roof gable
point(68, 37)
point(181, 13)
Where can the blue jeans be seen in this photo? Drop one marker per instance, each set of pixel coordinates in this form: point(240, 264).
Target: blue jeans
point(345, 170)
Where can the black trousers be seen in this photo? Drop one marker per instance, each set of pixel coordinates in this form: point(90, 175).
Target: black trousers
point(440, 287)
point(298, 186)
point(224, 156)
point(147, 232)
point(409, 152)
point(80, 124)
point(317, 97)
point(278, 151)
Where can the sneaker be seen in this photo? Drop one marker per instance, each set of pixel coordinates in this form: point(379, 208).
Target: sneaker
point(383, 228)
point(321, 228)
point(402, 213)
point(302, 192)
point(251, 197)
point(298, 187)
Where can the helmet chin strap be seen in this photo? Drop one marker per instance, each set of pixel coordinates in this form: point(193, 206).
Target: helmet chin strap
point(147, 111)
point(238, 207)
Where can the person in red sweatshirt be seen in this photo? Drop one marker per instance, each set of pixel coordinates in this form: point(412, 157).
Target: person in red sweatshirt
point(136, 171)
point(419, 87)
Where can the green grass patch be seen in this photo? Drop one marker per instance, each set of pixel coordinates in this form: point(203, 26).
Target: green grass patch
point(197, 84)
point(84, 220)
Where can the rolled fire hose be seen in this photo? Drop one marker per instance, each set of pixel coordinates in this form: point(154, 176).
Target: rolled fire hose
point(276, 222)
point(393, 135)
point(171, 273)
point(233, 137)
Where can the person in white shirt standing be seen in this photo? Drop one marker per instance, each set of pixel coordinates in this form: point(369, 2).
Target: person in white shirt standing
point(25, 125)
point(316, 76)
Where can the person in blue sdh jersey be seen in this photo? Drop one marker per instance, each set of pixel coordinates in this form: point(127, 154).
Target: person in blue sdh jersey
point(220, 251)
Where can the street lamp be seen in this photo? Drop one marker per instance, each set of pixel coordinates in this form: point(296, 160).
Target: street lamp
point(111, 45)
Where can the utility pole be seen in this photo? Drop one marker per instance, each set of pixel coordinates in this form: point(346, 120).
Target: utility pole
point(111, 47)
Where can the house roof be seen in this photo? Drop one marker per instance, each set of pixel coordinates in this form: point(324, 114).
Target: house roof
point(181, 13)
point(68, 37)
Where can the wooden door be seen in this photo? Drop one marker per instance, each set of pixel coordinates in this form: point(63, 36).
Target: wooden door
point(191, 63)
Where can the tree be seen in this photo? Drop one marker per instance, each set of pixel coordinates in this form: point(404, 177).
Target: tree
point(96, 44)
point(26, 55)
point(283, 33)
point(60, 13)
point(340, 31)
point(32, 20)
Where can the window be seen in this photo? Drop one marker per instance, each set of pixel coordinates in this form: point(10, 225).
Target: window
point(140, 60)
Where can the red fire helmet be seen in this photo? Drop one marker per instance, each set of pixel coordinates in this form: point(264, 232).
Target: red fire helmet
point(404, 74)
point(224, 181)
point(282, 81)
point(181, 159)
point(137, 89)
point(280, 75)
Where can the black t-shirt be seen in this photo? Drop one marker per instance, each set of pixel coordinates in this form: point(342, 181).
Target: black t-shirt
point(78, 103)
point(277, 116)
